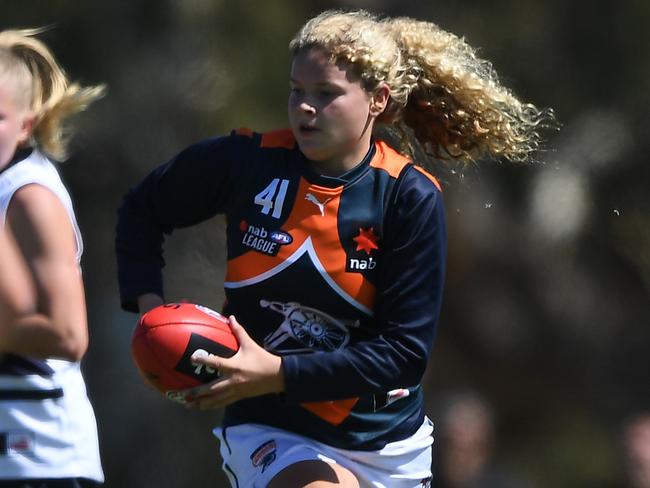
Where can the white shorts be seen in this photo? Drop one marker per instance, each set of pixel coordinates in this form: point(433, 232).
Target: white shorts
point(253, 454)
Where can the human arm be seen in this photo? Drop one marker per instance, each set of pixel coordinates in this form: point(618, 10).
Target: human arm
point(192, 187)
point(44, 233)
point(408, 301)
point(17, 297)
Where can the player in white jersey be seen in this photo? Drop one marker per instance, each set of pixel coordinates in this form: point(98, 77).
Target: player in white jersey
point(48, 433)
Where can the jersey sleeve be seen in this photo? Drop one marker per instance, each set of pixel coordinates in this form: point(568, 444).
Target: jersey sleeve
point(408, 306)
point(194, 186)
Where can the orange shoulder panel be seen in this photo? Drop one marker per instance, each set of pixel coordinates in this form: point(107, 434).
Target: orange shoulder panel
point(388, 159)
point(428, 175)
point(244, 131)
point(279, 138)
point(393, 163)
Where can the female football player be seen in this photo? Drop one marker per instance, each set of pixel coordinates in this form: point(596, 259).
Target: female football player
point(48, 434)
point(336, 249)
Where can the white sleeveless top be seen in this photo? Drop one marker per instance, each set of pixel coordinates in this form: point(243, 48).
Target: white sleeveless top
point(47, 424)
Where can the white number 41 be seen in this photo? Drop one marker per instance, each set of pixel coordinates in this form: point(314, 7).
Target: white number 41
point(272, 197)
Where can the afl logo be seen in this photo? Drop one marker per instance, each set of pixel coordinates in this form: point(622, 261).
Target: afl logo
point(281, 237)
point(209, 311)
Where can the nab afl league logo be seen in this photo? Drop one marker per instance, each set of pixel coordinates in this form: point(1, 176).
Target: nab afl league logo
point(261, 239)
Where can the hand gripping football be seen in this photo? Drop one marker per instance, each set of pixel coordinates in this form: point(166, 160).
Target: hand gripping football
point(165, 338)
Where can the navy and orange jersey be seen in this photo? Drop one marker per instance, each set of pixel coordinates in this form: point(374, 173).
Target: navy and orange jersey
point(341, 276)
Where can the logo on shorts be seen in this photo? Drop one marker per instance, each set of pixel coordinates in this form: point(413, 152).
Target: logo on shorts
point(264, 455)
point(16, 442)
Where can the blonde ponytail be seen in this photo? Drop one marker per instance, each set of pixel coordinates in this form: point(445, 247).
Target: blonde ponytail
point(50, 96)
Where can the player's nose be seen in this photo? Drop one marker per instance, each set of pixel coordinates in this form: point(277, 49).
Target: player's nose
point(307, 108)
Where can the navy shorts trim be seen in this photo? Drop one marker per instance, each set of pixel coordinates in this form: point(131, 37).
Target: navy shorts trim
point(50, 483)
point(31, 394)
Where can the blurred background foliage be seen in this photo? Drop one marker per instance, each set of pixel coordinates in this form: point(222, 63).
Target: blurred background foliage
point(546, 312)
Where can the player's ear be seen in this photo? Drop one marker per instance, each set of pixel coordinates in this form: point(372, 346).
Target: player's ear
point(379, 100)
point(26, 128)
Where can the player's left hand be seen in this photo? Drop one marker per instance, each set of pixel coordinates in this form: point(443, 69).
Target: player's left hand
point(252, 371)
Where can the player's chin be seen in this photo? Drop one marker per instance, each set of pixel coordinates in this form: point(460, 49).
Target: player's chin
point(313, 150)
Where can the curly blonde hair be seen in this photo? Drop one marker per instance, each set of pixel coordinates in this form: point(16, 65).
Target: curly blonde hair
point(42, 87)
point(441, 93)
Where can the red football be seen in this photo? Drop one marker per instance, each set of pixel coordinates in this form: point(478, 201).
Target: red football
point(165, 338)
